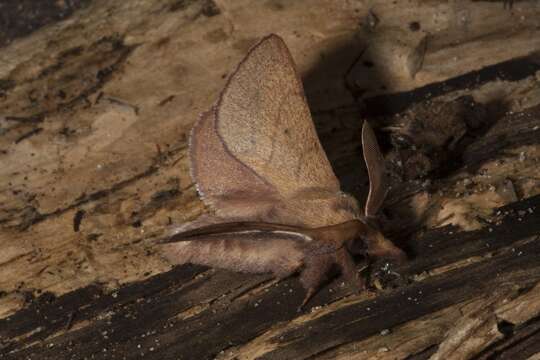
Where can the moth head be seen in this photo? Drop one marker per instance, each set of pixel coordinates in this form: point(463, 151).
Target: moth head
point(358, 236)
point(374, 243)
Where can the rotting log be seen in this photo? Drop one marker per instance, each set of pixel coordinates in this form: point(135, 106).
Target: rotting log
point(97, 98)
point(191, 312)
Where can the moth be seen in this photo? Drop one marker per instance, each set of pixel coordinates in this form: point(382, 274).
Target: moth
point(277, 206)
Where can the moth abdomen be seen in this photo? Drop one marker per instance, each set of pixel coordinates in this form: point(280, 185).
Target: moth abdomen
point(278, 256)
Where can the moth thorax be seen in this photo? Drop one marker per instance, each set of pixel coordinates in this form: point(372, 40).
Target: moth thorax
point(347, 204)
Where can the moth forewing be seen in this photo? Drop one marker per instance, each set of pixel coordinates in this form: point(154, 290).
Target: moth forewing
point(252, 230)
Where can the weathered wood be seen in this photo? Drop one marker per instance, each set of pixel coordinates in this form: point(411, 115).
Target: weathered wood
point(178, 315)
point(106, 107)
point(523, 344)
point(97, 99)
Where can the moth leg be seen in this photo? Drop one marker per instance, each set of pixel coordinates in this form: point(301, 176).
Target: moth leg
point(356, 247)
point(309, 294)
point(314, 274)
point(348, 270)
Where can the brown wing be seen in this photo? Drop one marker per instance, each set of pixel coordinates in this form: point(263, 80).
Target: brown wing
point(241, 231)
point(219, 176)
point(264, 121)
point(375, 166)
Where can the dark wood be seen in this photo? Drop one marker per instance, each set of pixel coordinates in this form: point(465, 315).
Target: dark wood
point(143, 313)
point(76, 215)
point(522, 343)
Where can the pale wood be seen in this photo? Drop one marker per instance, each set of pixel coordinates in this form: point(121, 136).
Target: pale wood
point(94, 116)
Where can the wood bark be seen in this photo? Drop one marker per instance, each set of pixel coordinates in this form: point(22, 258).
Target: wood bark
point(97, 100)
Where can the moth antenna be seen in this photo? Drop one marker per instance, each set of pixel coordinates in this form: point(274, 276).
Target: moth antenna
point(376, 171)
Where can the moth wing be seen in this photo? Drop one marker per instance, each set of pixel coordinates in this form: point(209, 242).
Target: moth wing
point(376, 171)
point(220, 176)
point(241, 231)
point(244, 247)
point(263, 118)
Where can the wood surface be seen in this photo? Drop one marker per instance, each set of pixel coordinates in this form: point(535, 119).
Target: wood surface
point(96, 102)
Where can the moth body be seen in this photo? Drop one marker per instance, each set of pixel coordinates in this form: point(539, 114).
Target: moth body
point(281, 257)
point(277, 205)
